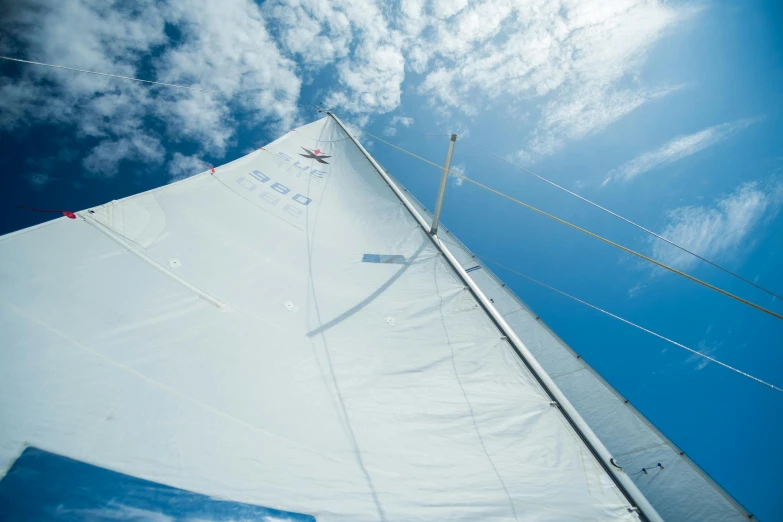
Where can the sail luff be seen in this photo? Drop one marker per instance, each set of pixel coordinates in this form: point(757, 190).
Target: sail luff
point(603, 455)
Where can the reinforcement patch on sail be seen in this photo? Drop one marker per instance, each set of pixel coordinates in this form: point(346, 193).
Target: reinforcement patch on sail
point(391, 259)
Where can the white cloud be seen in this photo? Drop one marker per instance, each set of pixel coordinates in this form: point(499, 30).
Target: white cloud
point(391, 128)
point(579, 60)
point(580, 57)
point(676, 149)
point(721, 229)
point(405, 121)
point(355, 36)
point(181, 166)
point(460, 169)
point(581, 113)
point(104, 159)
point(223, 46)
point(701, 362)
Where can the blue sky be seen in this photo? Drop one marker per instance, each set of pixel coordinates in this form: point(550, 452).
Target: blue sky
point(668, 113)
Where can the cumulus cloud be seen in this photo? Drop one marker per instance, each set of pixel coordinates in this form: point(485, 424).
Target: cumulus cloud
point(578, 60)
point(675, 150)
point(104, 159)
point(223, 47)
point(181, 166)
point(717, 230)
point(580, 57)
point(356, 37)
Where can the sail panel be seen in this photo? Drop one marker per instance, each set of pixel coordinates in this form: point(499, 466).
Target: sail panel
point(226, 336)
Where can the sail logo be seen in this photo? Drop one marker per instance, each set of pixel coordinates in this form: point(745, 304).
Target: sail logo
point(315, 154)
point(275, 193)
point(302, 167)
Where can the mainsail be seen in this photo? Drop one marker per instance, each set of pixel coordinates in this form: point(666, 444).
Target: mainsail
point(282, 340)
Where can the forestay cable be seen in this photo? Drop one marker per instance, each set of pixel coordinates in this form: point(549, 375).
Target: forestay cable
point(615, 214)
point(580, 229)
point(626, 321)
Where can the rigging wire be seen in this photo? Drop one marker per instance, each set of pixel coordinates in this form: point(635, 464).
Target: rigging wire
point(662, 265)
point(112, 75)
point(626, 321)
point(640, 227)
point(580, 229)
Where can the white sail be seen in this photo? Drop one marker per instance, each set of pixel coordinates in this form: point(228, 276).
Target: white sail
point(679, 491)
point(278, 339)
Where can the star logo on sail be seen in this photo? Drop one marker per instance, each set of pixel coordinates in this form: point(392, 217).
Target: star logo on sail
point(315, 154)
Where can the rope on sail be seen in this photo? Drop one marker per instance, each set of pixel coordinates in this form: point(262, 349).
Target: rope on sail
point(626, 321)
point(640, 227)
point(584, 231)
point(111, 75)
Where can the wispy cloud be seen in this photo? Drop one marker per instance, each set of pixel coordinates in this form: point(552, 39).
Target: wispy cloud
point(39, 180)
point(676, 149)
point(222, 46)
point(582, 112)
point(578, 60)
point(391, 128)
point(717, 230)
point(459, 168)
point(701, 362)
point(181, 166)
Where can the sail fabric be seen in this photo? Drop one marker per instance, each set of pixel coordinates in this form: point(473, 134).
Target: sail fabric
point(680, 491)
point(281, 335)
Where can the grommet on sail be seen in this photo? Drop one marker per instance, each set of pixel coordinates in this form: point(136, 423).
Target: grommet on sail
point(281, 338)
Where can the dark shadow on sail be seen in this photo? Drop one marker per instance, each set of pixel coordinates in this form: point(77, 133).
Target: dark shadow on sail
point(370, 298)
